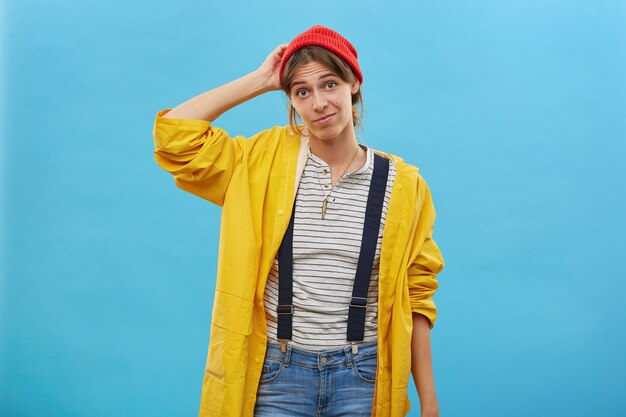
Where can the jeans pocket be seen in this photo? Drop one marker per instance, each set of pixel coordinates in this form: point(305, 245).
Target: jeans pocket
point(365, 368)
point(271, 369)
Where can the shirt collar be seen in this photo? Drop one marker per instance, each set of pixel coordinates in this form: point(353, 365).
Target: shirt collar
point(367, 166)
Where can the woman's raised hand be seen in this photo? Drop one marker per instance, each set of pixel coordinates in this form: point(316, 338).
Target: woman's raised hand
point(270, 67)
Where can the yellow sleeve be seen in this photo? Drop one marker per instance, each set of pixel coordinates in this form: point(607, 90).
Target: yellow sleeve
point(201, 158)
point(426, 259)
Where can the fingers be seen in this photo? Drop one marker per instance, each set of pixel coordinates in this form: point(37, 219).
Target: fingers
point(280, 50)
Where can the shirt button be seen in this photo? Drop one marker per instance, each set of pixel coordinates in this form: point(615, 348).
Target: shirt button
point(325, 185)
point(324, 172)
point(257, 360)
point(323, 361)
point(281, 211)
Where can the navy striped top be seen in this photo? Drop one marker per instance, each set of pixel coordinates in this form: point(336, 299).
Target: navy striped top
point(325, 256)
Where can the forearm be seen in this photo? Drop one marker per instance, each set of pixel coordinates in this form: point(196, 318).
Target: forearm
point(422, 366)
point(211, 104)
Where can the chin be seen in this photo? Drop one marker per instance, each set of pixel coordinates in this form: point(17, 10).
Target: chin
point(329, 133)
point(325, 135)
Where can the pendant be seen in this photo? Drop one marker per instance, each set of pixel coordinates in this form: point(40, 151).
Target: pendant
point(324, 204)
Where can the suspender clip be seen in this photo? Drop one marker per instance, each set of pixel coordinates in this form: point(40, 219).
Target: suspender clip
point(358, 302)
point(284, 309)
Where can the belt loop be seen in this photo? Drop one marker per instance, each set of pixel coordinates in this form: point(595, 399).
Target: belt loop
point(287, 357)
point(348, 352)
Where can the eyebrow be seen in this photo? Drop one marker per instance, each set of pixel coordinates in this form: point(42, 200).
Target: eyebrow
point(327, 75)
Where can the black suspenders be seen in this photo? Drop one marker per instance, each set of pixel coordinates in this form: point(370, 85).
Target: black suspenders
point(358, 302)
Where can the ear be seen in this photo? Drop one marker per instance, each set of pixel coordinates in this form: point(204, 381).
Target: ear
point(354, 88)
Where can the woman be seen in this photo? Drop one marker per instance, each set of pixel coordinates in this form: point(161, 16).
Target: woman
point(327, 264)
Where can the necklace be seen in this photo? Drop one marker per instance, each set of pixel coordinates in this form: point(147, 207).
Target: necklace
point(325, 202)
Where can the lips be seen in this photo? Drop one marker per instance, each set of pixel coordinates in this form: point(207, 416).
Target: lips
point(324, 118)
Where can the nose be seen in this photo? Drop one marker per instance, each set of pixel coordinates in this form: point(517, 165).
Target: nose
point(319, 102)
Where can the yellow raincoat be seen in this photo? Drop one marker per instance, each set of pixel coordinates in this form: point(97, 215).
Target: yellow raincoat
point(255, 181)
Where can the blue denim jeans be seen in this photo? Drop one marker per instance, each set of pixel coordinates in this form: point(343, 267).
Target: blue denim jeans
point(303, 383)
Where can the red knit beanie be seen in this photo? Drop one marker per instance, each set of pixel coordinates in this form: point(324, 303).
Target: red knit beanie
point(327, 38)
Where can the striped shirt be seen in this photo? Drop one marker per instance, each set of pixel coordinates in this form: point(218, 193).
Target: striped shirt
point(325, 256)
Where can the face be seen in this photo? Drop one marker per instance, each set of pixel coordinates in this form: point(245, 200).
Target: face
point(323, 101)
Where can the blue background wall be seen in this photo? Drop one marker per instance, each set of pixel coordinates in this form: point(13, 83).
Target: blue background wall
point(515, 111)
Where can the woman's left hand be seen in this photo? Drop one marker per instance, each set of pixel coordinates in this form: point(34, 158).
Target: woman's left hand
point(270, 67)
point(430, 412)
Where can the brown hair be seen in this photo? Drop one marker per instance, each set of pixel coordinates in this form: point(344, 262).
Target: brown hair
point(334, 63)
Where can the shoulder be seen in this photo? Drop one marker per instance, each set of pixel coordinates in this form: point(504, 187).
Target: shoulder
point(402, 168)
point(272, 133)
point(408, 176)
point(271, 139)
point(264, 141)
point(277, 131)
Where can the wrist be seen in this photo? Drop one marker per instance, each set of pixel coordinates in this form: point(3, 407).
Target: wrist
point(430, 410)
point(263, 81)
point(429, 405)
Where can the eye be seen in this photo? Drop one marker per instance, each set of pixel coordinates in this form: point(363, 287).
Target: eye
point(331, 84)
point(301, 92)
